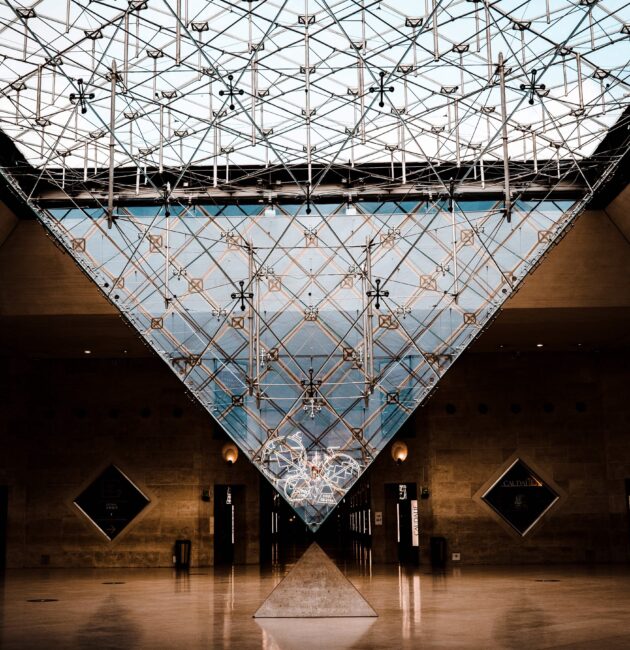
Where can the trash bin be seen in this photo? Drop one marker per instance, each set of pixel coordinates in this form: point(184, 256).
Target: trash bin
point(182, 554)
point(438, 551)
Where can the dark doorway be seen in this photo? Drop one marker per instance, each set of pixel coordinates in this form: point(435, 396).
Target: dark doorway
point(230, 524)
point(283, 535)
point(334, 534)
point(402, 523)
point(4, 511)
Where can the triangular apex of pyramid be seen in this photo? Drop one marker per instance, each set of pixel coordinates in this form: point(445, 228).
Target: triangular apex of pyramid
point(315, 588)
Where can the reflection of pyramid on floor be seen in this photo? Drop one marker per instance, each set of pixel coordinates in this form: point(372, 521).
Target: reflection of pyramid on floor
point(314, 588)
point(314, 633)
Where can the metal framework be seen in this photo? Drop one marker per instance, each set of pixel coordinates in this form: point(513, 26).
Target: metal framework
point(310, 209)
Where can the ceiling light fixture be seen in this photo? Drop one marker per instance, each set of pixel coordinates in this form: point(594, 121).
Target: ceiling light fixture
point(399, 451)
point(229, 452)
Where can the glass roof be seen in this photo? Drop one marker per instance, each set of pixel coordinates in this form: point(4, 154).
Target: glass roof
point(281, 83)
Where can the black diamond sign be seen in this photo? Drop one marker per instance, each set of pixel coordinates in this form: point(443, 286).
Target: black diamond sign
point(111, 502)
point(520, 497)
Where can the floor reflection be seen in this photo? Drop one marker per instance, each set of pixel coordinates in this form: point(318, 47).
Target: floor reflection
point(475, 607)
point(362, 556)
point(110, 627)
point(521, 612)
point(313, 633)
point(409, 599)
point(182, 581)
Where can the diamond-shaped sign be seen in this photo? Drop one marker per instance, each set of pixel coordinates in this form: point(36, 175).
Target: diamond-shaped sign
point(111, 502)
point(293, 369)
point(520, 497)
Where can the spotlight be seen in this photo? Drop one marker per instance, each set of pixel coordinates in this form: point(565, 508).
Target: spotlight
point(229, 451)
point(87, 351)
point(399, 451)
point(539, 345)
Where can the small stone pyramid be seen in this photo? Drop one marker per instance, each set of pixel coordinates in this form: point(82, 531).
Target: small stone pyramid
point(315, 588)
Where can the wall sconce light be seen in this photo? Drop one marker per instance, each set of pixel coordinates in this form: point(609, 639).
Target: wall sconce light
point(399, 451)
point(229, 451)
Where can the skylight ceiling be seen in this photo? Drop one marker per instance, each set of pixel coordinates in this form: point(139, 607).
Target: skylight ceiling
point(284, 83)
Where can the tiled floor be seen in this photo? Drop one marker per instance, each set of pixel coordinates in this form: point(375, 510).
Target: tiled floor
point(476, 607)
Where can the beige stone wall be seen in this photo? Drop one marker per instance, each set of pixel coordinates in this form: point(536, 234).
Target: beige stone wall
point(63, 421)
point(57, 432)
point(586, 453)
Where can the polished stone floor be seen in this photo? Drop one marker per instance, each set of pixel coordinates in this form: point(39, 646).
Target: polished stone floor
point(468, 607)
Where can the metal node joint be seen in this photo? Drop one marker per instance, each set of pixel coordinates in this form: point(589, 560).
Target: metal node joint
point(231, 92)
point(377, 294)
point(81, 97)
point(533, 87)
point(381, 89)
point(241, 294)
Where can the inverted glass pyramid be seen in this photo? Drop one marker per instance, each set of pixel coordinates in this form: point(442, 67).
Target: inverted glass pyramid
point(309, 209)
point(309, 374)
